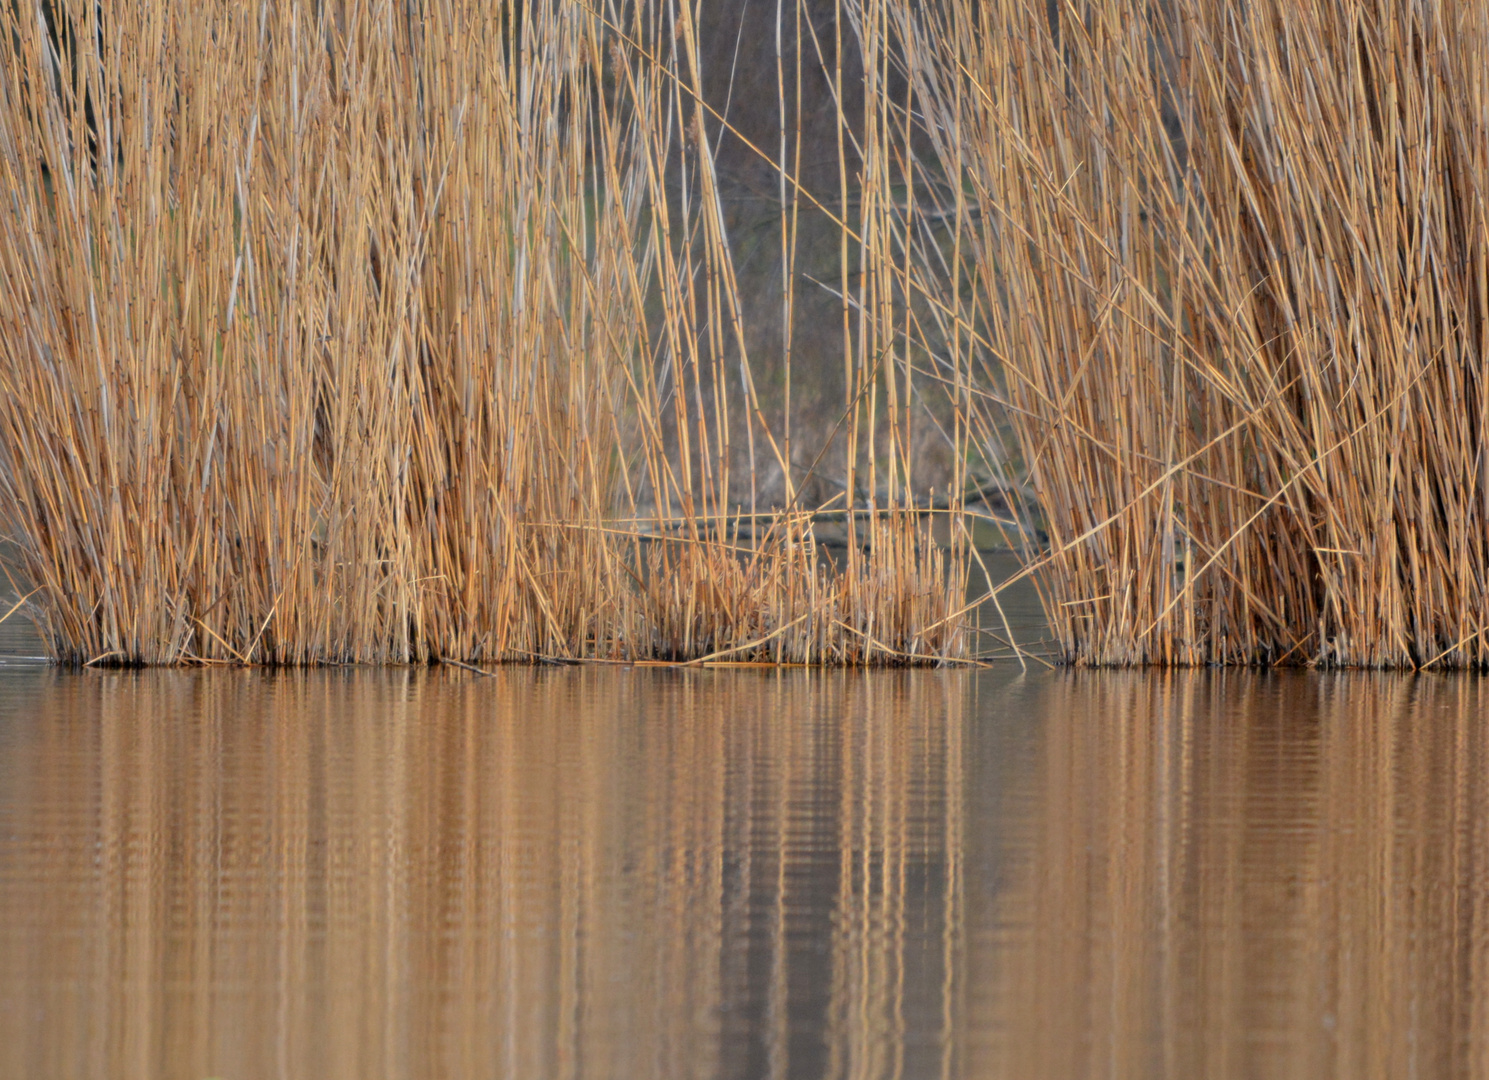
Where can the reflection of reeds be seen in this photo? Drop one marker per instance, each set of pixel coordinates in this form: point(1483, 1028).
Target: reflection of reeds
point(533, 875)
point(1233, 875)
point(1229, 265)
point(356, 332)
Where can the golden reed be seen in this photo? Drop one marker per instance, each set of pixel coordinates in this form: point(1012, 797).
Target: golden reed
point(1228, 263)
point(359, 332)
point(344, 333)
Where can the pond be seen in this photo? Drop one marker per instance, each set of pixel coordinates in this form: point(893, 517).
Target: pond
point(636, 873)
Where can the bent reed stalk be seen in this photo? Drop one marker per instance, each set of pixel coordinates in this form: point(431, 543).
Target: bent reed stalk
point(1225, 268)
point(361, 332)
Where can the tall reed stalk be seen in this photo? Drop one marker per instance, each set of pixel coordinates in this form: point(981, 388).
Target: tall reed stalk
point(1224, 270)
point(364, 332)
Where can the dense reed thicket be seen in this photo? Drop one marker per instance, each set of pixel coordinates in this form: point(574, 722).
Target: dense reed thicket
point(360, 331)
point(1225, 266)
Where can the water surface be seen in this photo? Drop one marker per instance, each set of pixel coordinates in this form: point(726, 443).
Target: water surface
point(618, 873)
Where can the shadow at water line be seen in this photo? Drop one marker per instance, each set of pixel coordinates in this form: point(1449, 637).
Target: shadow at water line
point(601, 873)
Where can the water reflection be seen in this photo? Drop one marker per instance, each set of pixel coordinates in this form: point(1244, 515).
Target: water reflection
point(608, 873)
point(589, 874)
point(1245, 875)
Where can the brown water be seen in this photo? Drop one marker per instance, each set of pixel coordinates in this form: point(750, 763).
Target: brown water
point(618, 873)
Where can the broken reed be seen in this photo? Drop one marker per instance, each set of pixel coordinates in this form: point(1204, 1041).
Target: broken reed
point(1226, 266)
point(369, 332)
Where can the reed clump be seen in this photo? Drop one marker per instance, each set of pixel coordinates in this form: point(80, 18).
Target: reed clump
point(355, 332)
point(347, 333)
point(1224, 268)
point(793, 607)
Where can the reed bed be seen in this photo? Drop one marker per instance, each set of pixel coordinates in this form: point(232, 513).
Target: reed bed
point(373, 333)
point(361, 332)
point(1223, 269)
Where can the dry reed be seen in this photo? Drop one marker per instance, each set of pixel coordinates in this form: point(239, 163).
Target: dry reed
point(358, 332)
point(1224, 270)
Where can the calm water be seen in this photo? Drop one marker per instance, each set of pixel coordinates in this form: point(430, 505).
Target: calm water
point(622, 873)
point(627, 873)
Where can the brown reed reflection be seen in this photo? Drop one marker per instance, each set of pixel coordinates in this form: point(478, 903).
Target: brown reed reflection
point(593, 873)
point(1241, 875)
point(607, 873)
